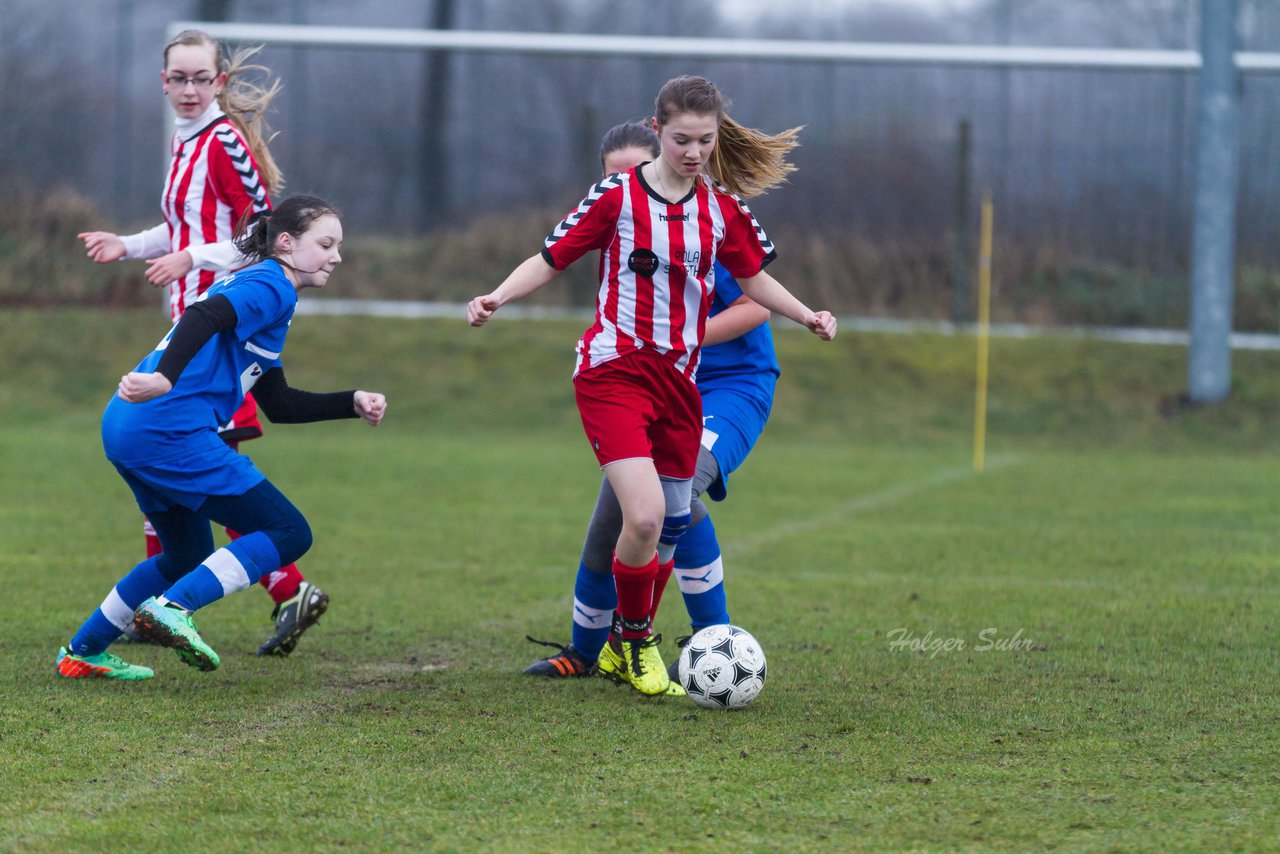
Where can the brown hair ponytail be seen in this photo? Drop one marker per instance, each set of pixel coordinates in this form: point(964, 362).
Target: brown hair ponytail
point(256, 234)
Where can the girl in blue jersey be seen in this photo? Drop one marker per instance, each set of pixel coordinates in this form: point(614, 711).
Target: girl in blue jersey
point(736, 379)
point(160, 431)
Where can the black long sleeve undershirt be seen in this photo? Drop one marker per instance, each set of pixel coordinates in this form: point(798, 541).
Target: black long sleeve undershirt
point(284, 404)
point(281, 403)
point(198, 324)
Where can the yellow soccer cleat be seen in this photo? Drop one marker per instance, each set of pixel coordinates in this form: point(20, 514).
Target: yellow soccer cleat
point(643, 667)
point(610, 664)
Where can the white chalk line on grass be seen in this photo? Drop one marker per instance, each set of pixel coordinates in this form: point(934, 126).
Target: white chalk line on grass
point(414, 309)
point(840, 513)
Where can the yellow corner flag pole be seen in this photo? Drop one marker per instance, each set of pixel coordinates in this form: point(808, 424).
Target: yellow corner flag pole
point(984, 335)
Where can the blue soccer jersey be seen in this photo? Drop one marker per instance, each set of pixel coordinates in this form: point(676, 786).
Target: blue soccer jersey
point(736, 379)
point(747, 363)
point(183, 424)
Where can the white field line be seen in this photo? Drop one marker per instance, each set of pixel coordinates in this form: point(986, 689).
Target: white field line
point(411, 309)
point(840, 513)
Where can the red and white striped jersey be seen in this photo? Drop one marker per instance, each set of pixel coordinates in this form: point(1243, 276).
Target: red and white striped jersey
point(211, 181)
point(656, 264)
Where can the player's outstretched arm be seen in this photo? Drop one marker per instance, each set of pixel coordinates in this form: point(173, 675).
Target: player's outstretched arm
point(532, 274)
point(105, 247)
point(102, 246)
point(370, 406)
point(770, 293)
point(219, 257)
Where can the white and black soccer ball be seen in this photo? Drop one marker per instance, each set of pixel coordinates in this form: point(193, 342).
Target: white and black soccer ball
point(722, 667)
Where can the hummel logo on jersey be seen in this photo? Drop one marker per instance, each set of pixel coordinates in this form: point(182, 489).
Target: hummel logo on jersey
point(643, 262)
point(684, 217)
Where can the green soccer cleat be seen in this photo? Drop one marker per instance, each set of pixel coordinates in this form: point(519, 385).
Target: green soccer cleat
point(104, 665)
point(173, 627)
point(293, 617)
point(568, 663)
point(610, 664)
point(643, 667)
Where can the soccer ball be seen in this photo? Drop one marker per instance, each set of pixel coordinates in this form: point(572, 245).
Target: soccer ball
point(722, 667)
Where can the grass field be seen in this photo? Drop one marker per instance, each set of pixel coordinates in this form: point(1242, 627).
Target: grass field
point(1112, 577)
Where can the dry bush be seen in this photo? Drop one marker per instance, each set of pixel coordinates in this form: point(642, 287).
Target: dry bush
point(43, 263)
point(453, 266)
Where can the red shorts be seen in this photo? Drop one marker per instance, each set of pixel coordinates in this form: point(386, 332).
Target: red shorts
point(244, 425)
point(640, 405)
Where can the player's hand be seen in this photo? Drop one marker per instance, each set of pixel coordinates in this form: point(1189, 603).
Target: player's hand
point(823, 324)
point(371, 406)
point(102, 246)
point(169, 268)
point(481, 309)
point(137, 387)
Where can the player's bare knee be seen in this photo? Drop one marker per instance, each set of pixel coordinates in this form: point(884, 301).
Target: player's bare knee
point(646, 527)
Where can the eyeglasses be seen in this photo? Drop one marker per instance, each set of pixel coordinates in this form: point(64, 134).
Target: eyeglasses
point(180, 82)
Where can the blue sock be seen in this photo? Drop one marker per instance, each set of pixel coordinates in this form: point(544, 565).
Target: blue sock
point(700, 574)
point(594, 598)
point(233, 567)
point(116, 611)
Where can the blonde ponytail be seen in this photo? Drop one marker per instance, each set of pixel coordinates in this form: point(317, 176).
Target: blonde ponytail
point(748, 162)
point(245, 103)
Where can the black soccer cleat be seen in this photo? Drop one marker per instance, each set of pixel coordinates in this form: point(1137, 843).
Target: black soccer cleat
point(673, 670)
point(293, 617)
point(568, 663)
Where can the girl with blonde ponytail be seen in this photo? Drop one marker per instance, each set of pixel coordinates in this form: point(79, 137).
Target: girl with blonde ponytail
point(220, 173)
point(746, 161)
point(660, 229)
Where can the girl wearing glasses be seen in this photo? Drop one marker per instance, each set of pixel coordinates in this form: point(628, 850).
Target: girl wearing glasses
point(220, 172)
point(660, 229)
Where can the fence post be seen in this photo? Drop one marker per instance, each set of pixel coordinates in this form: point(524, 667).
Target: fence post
point(960, 253)
point(1213, 236)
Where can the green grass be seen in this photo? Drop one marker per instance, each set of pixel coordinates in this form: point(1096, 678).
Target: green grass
point(1132, 558)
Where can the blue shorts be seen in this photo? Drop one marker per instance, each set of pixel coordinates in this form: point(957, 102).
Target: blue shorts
point(188, 482)
point(731, 423)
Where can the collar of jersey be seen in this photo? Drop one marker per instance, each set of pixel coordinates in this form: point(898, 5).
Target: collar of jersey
point(654, 194)
point(189, 129)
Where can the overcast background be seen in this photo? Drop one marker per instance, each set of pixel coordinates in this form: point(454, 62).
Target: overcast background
point(1095, 165)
